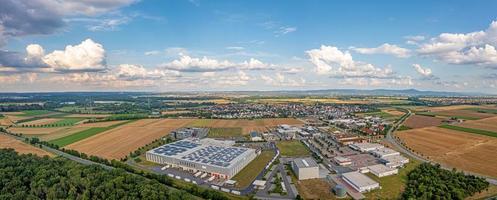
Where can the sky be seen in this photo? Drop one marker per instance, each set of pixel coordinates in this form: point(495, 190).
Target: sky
point(213, 45)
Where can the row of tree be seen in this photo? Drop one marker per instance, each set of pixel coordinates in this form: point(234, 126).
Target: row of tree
point(33, 177)
point(429, 181)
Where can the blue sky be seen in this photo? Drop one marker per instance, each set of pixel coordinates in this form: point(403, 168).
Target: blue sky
point(182, 45)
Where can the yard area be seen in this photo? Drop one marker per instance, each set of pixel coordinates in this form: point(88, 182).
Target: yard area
point(248, 174)
point(392, 186)
point(292, 148)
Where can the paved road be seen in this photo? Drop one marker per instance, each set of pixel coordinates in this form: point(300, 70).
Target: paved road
point(396, 143)
point(263, 194)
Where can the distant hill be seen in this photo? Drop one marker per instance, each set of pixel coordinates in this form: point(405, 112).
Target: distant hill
point(358, 92)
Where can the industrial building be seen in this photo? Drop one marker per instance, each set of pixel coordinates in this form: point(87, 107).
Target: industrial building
point(384, 152)
point(366, 147)
point(305, 168)
point(360, 182)
point(394, 161)
point(342, 161)
point(218, 158)
point(381, 170)
point(188, 132)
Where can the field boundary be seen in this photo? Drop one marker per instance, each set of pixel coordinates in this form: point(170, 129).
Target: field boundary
point(469, 130)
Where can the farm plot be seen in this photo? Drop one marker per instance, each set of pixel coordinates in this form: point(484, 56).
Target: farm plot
point(35, 131)
point(21, 147)
point(469, 152)
point(40, 122)
point(488, 124)
point(465, 114)
point(247, 126)
point(225, 132)
point(87, 116)
point(101, 124)
point(421, 121)
point(119, 142)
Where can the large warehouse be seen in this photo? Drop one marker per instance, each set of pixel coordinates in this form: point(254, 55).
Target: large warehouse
point(360, 182)
point(218, 158)
point(305, 168)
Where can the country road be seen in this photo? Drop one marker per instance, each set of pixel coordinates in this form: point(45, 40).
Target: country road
point(411, 154)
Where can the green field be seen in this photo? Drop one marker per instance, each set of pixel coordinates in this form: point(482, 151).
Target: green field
point(429, 114)
point(403, 128)
point(248, 174)
point(484, 110)
point(469, 130)
point(29, 113)
point(292, 148)
point(200, 123)
point(391, 186)
point(65, 122)
point(225, 132)
point(83, 134)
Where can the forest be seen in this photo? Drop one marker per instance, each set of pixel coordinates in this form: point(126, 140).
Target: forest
point(429, 181)
point(33, 177)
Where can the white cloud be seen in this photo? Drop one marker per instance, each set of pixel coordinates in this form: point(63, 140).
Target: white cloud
point(280, 80)
point(151, 53)
point(134, 72)
point(478, 48)
point(423, 71)
point(239, 79)
point(375, 82)
point(284, 30)
point(235, 48)
point(189, 64)
point(109, 24)
point(386, 48)
point(331, 61)
point(414, 39)
point(87, 56)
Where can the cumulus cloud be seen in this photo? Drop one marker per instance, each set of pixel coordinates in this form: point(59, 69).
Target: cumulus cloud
point(477, 48)
point(329, 60)
point(414, 39)
point(87, 56)
point(190, 64)
point(135, 72)
point(386, 48)
point(422, 71)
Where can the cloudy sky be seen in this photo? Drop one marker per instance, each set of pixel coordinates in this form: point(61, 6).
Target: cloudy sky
point(199, 45)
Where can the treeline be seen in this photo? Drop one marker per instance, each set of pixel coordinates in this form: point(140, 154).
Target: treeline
point(429, 181)
point(193, 189)
point(33, 177)
point(20, 107)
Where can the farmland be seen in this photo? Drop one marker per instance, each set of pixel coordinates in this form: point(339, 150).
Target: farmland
point(247, 126)
point(225, 132)
point(119, 142)
point(250, 172)
point(466, 112)
point(292, 148)
point(421, 121)
point(470, 152)
point(21, 147)
point(470, 130)
point(488, 124)
point(78, 136)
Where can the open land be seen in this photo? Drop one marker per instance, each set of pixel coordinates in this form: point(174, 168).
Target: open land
point(392, 186)
point(292, 148)
point(40, 122)
point(469, 152)
point(87, 116)
point(260, 125)
point(21, 147)
point(35, 131)
point(315, 189)
point(489, 124)
point(248, 174)
point(225, 132)
point(421, 121)
point(119, 142)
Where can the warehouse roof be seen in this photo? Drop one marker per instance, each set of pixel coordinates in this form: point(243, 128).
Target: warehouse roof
point(358, 179)
point(305, 162)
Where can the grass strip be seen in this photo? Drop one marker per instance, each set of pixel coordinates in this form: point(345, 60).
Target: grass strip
point(469, 130)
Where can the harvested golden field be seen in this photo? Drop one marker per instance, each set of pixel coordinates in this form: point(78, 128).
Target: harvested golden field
point(470, 114)
point(87, 115)
point(119, 142)
point(35, 131)
point(21, 147)
point(246, 125)
point(62, 133)
point(101, 124)
point(488, 124)
point(172, 112)
point(421, 121)
point(43, 121)
point(445, 108)
point(469, 152)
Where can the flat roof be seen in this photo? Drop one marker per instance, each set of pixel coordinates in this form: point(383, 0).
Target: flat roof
point(384, 151)
point(259, 183)
point(358, 179)
point(203, 152)
point(342, 159)
point(380, 168)
point(305, 162)
point(367, 145)
point(395, 158)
